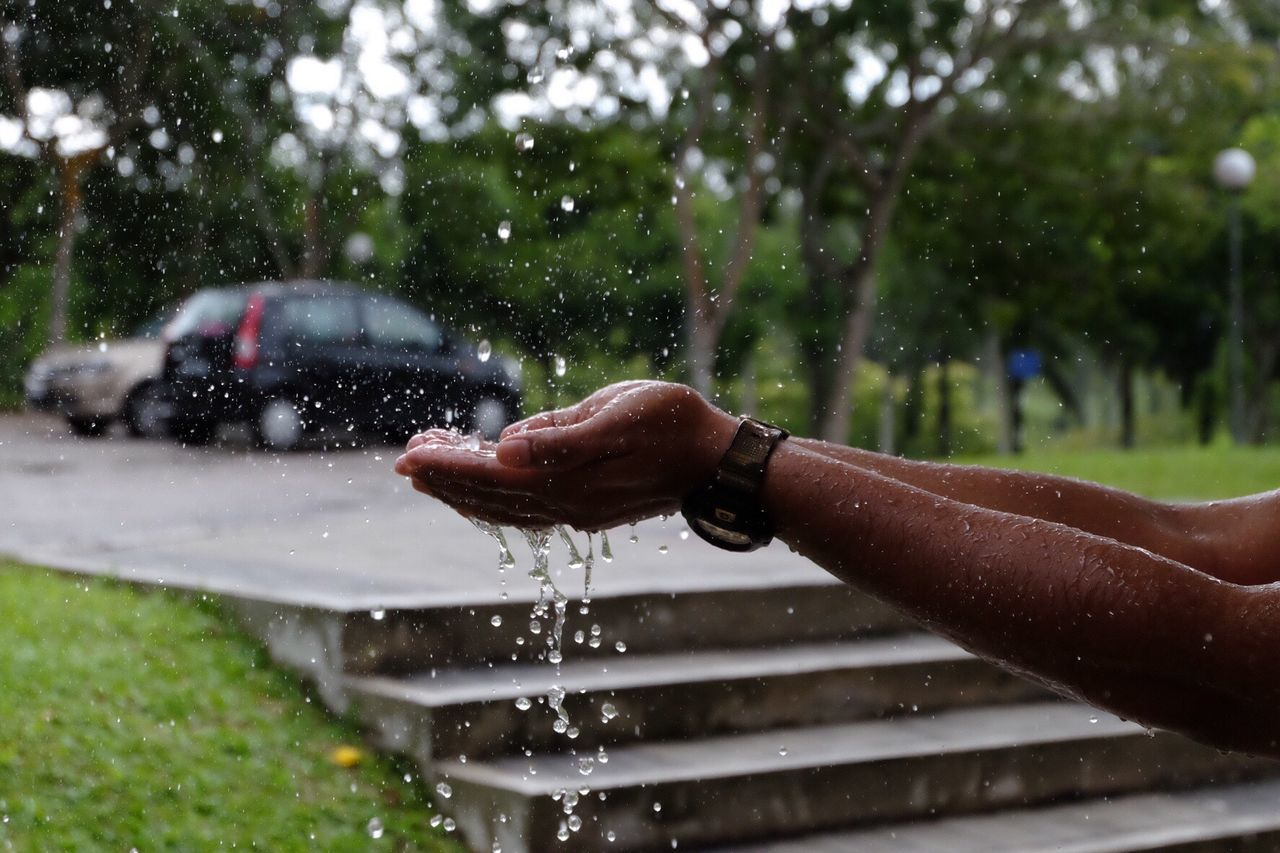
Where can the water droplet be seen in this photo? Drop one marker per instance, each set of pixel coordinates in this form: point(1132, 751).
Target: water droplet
point(606, 552)
point(504, 230)
point(564, 53)
point(524, 141)
point(782, 750)
point(374, 828)
point(579, 637)
point(536, 75)
point(563, 832)
point(621, 647)
point(535, 627)
point(561, 365)
point(449, 825)
point(496, 621)
point(608, 712)
point(102, 347)
point(484, 350)
point(445, 790)
point(684, 534)
point(575, 823)
point(217, 136)
point(662, 549)
point(586, 764)
point(566, 203)
point(611, 835)
point(378, 614)
point(1093, 719)
point(657, 807)
point(524, 703)
point(555, 655)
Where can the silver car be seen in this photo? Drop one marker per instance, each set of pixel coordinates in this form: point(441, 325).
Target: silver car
point(92, 385)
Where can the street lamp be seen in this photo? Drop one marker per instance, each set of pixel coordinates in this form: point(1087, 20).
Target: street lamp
point(1234, 169)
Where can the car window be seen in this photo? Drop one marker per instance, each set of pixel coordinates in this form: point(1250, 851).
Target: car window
point(209, 312)
point(394, 325)
point(320, 320)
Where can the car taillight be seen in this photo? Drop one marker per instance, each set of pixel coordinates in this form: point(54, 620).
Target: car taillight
point(247, 334)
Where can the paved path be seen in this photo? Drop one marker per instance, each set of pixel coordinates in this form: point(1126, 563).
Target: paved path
point(333, 529)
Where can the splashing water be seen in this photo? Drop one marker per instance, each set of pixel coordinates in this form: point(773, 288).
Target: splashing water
point(505, 558)
point(606, 553)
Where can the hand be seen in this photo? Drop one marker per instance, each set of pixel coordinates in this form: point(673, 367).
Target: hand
point(627, 452)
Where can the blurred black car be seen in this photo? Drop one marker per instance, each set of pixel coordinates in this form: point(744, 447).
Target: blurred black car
point(311, 357)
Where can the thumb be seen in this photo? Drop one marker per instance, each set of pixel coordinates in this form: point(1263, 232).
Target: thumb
point(555, 448)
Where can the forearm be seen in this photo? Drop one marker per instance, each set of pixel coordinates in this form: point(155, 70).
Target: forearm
point(1128, 630)
point(1092, 508)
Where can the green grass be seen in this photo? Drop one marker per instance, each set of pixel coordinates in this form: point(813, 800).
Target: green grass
point(140, 719)
point(1180, 473)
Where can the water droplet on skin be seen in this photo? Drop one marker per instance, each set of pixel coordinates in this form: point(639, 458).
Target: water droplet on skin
point(374, 828)
point(504, 230)
point(662, 549)
point(523, 703)
point(1093, 719)
point(579, 637)
point(378, 615)
point(496, 621)
point(444, 790)
point(484, 350)
point(561, 365)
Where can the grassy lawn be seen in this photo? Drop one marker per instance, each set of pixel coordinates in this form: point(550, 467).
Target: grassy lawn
point(139, 719)
point(1168, 473)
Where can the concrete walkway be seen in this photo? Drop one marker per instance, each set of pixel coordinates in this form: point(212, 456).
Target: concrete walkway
point(336, 530)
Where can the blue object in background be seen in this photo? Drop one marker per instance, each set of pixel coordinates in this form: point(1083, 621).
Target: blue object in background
point(1024, 364)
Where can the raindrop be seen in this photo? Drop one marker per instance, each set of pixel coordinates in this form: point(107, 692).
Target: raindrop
point(375, 828)
point(662, 549)
point(566, 203)
point(217, 136)
point(611, 835)
point(524, 703)
point(102, 347)
point(575, 823)
point(504, 230)
point(536, 75)
point(586, 764)
point(564, 53)
point(561, 365)
point(782, 750)
point(444, 790)
point(1093, 719)
point(484, 350)
point(634, 537)
point(684, 534)
point(524, 141)
point(607, 712)
point(496, 621)
point(449, 825)
point(378, 614)
point(563, 832)
point(621, 647)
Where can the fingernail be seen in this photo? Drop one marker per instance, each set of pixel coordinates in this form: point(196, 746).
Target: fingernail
point(515, 452)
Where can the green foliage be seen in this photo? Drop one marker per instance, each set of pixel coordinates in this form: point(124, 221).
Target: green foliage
point(133, 719)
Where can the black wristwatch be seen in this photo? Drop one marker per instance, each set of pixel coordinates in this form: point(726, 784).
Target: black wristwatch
point(726, 511)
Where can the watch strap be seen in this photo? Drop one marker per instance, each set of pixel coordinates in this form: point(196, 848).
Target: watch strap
point(743, 465)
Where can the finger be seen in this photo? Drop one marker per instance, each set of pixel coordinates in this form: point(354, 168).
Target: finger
point(499, 511)
point(562, 448)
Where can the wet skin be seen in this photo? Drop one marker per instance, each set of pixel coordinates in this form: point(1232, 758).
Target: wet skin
point(1165, 614)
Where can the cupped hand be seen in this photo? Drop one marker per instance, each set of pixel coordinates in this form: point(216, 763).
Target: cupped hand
point(627, 452)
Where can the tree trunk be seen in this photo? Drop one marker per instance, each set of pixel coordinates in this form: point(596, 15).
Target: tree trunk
point(945, 446)
point(993, 355)
point(888, 416)
point(703, 339)
point(70, 178)
point(838, 417)
point(1127, 426)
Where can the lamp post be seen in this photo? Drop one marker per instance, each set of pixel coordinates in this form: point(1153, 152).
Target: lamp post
point(1234, 169)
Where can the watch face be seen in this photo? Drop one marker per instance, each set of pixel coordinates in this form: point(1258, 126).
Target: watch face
point(731, 536)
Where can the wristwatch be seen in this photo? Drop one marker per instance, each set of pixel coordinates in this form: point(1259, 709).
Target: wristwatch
point(726, 511)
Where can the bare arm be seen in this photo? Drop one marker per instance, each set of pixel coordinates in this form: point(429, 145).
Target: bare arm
point(1231, 540)
point(1130, 630)
point(1125, 629)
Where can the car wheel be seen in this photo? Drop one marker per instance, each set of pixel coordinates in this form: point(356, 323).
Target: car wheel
point(145, 411)
point(279, 425)
point(489, 415)
point(87, 427)
point(194, 432)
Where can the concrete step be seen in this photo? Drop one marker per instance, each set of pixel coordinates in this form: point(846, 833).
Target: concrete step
point(472, 711)
point(1222, 818)
point(742, 787)
point(323, 643)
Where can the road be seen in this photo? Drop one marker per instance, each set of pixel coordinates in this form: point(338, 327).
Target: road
point(330, 529)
